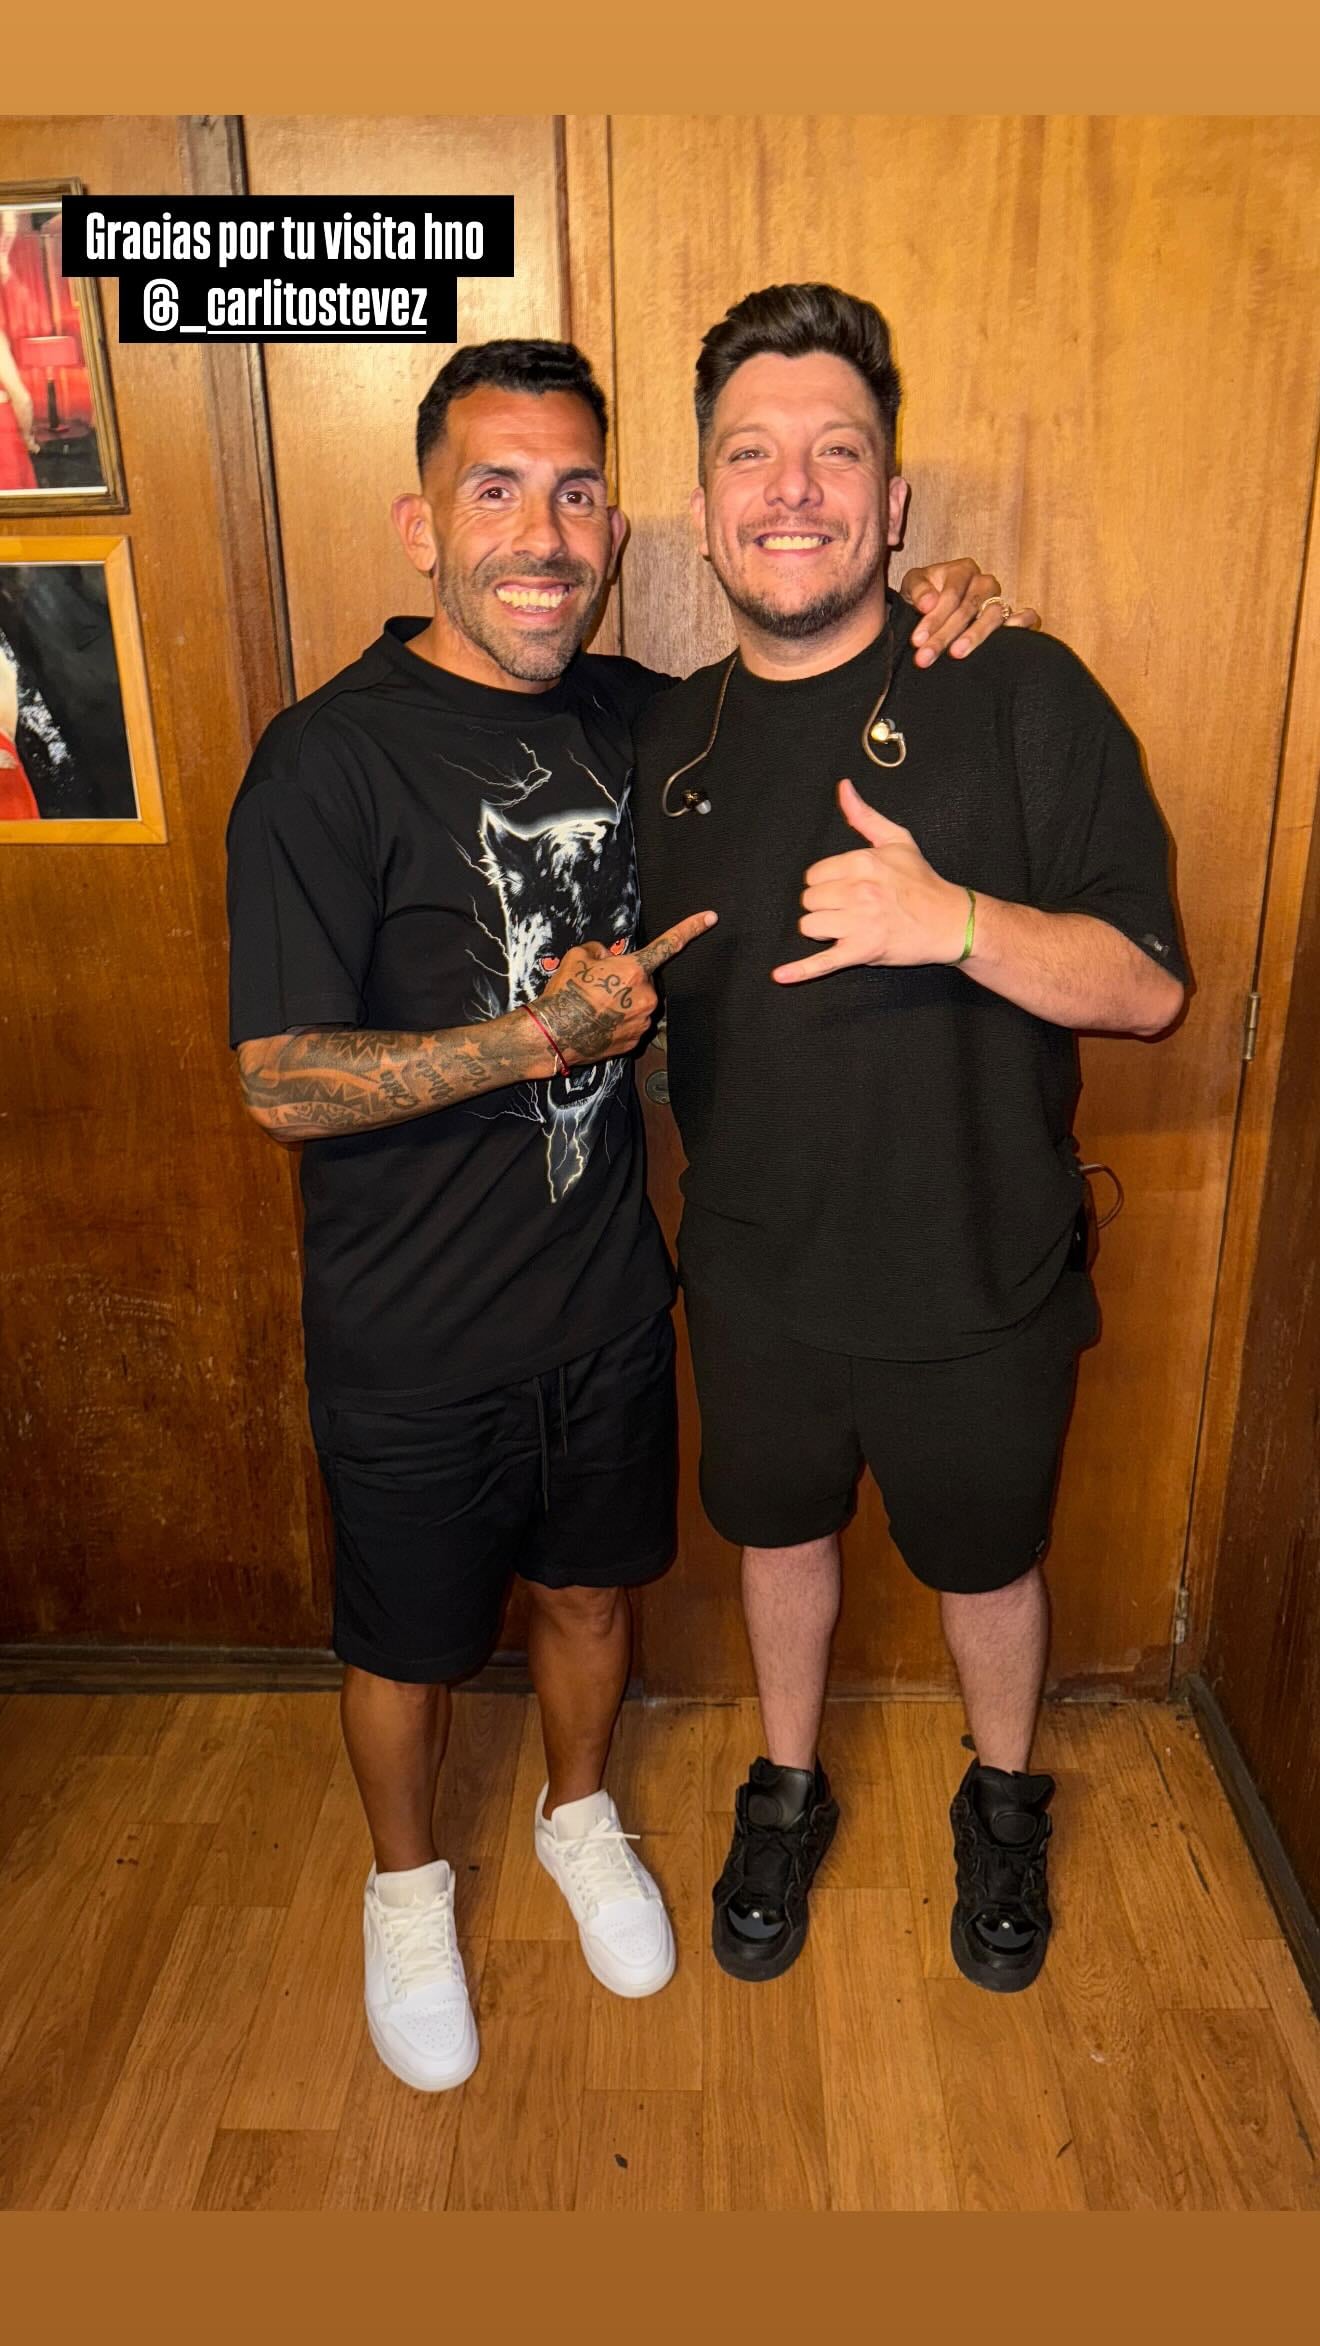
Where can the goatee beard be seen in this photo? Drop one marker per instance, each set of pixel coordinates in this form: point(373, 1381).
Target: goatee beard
point(814, 618)
point(534, 661)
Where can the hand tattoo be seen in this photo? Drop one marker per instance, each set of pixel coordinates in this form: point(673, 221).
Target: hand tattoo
point(588, 1029)
point(319, 1082)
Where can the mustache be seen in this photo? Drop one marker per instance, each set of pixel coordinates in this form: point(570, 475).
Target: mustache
point(560, 570)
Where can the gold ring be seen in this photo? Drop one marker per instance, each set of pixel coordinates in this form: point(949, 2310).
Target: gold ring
point(1002, 599)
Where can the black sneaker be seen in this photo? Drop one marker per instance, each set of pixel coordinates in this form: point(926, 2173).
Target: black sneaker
point(784, 1824)
point(1001, 1922)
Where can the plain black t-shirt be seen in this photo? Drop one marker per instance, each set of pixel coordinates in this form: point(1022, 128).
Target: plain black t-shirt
point(881, 1161)
point(410, 850)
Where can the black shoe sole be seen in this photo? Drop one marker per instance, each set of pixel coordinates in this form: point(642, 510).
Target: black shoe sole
point(999, 1981)
point(729, 1955)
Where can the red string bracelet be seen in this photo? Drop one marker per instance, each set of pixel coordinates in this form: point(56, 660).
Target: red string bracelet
point(563, 1063)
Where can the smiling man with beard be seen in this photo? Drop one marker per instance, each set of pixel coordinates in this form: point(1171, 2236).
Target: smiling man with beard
point(881, 1250)
point(435, 984)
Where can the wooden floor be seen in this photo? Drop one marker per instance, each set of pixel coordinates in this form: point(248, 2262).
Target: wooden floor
point(180, 1981)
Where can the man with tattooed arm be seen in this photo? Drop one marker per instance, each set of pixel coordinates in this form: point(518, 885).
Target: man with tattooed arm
point(433, 905)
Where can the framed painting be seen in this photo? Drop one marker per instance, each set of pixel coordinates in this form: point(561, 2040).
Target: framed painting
point(59, 449)
point(77, 750)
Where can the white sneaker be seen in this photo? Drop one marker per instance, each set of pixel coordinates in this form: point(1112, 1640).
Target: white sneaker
point(418, 2014)
point(618, 1909)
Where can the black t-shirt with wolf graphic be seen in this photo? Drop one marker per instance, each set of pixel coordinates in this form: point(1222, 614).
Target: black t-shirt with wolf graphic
point(412, 851)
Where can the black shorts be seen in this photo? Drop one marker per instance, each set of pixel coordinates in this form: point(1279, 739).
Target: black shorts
point(568, 1479)
point(966, 1452)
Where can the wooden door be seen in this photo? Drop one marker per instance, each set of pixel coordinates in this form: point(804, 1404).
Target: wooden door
point(1109, 333)
point(1262, 1659)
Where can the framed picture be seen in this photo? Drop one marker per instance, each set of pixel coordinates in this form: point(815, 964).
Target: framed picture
point(59, 450)
point(77, 752)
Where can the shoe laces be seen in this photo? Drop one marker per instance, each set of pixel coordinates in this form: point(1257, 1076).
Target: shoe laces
point(769, 1858)
point(600, 1864)
point(421, 1947)
point(1005, 1879)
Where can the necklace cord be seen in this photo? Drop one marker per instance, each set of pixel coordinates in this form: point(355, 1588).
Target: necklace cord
point(702, 754)
point(874, 728)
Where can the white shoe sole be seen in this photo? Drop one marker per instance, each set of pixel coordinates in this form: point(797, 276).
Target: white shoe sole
point(426, 2081)
point(618, 1985)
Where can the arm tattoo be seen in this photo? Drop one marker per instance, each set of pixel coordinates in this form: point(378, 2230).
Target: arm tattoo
point(326, 1081)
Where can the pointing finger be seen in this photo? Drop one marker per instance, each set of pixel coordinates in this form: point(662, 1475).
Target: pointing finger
point(664, 948)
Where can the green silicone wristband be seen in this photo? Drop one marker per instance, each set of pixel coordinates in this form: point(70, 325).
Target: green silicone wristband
point(970, 937)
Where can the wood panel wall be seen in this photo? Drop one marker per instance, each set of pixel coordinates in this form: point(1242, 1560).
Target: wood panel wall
point(1111, 344)
point(154, 1483)
point(1295, 814)
point(1262, 1659)
point(342, 419)
point(1109, 332)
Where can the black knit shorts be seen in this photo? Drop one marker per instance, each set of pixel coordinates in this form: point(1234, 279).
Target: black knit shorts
point(966, 1452)
point(568, 1479)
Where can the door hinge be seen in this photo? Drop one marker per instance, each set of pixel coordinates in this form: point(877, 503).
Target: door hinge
point(1180, 1609)
point(1250, 1023)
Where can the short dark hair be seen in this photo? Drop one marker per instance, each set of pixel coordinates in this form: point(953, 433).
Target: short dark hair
point(793, 321)
point(507, 365)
